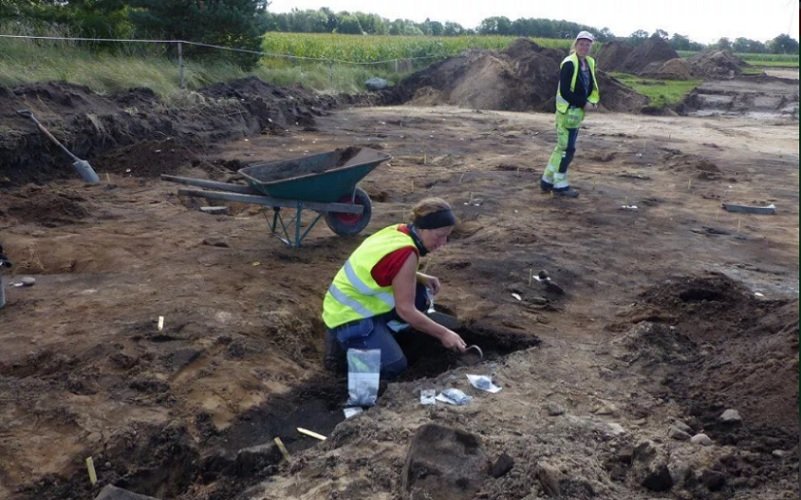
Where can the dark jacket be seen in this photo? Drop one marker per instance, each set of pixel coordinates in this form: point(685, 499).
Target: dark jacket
point(578, 97)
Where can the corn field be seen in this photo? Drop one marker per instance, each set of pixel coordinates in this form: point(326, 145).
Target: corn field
point(376, 49)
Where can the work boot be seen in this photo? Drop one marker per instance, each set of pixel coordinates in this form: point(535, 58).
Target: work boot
point(567, 192)
point(545, 186)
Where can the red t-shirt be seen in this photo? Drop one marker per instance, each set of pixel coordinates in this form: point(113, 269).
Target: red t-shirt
point(387, 268)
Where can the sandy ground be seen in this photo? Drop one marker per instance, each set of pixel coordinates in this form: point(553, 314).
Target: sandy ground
point(674, 311)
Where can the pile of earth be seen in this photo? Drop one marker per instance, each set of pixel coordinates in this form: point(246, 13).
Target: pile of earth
point(711, 345)
point(628, 58)
point(138, 132)
point(716, 64)
point(655, 58)
point(522, 77)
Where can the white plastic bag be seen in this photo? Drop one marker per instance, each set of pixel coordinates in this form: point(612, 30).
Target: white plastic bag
point(364, 369)
point(454, 397)
point(483, 383)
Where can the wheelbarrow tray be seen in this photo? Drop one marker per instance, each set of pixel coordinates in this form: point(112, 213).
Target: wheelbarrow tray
point(325, 177)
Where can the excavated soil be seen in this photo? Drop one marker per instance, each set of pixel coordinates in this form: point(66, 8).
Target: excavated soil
point(523, 77)
point(671, 312)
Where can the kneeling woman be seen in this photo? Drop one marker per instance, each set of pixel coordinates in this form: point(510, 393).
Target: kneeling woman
point(379, 292)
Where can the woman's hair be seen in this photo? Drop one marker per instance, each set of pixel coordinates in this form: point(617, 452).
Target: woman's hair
point(428, 206)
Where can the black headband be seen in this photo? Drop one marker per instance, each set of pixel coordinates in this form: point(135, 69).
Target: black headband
point(434, 220)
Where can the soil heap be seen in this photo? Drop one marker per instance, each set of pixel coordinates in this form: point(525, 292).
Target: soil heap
point(655, 58)
point(649, 54)
point(523, 77)
point(716, 64)
point(140, 127)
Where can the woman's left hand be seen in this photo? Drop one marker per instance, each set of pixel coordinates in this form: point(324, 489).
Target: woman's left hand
point(430, 282)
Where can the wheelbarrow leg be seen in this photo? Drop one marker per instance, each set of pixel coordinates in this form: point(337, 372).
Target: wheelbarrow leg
point(297, 225)
point(275, 218)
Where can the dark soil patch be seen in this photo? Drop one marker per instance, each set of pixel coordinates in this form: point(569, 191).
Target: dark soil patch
point(45, 206)
point(149, 460)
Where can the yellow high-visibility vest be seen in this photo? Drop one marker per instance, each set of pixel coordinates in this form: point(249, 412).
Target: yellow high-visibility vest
point(594, 97)
point(354, 294)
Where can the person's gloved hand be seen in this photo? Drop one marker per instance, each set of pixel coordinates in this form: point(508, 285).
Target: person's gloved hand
point(4, 262)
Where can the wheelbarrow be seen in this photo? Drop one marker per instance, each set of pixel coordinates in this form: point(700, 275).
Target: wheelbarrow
point(324, 183)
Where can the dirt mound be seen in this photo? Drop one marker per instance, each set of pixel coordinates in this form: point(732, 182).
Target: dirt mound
point(731, 349)
point(672, 69)
point(159, 136)
point(522, 77)
point(717, 64)
point(612, 54)
point(646, 57)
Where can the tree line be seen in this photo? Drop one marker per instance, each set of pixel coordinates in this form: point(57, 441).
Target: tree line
point(240, 24)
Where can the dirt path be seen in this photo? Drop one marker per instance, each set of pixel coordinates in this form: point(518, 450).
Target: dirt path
point(674, 311)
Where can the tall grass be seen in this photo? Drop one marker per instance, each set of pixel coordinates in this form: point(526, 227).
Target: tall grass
point(321, 62)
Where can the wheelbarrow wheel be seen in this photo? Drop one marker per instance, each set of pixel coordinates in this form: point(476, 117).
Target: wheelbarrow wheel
point(350, 224)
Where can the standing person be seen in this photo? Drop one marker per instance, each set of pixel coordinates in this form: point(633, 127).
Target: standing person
point(379, 294)
point(577, 91)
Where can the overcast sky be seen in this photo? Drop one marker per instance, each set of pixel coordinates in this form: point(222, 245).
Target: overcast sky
point(704, 21)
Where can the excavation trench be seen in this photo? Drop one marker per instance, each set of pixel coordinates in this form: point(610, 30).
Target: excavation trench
point(168, 462)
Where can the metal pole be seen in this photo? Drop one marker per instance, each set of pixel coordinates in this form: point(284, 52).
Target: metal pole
point(181, 64)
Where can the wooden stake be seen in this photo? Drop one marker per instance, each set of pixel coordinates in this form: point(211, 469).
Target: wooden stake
point(311, 434)
point(281, 448)
point(161, 323)
point(90, 466)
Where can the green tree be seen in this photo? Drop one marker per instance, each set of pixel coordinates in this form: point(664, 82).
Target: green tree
point(497, 25)
point(349, 24)
point(452, 29)
point(679, 42)
point(432, 28)
point(723, 44)
point(605, 34)
point(783, 44)
point(638, 37)
point(229, 23)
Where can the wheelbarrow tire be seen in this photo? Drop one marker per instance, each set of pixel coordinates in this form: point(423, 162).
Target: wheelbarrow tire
point(350, 224)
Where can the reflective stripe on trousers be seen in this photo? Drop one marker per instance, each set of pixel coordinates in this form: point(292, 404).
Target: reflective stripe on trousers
point(556, 171)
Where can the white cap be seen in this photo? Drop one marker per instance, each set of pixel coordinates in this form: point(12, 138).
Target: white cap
point(585, 34)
